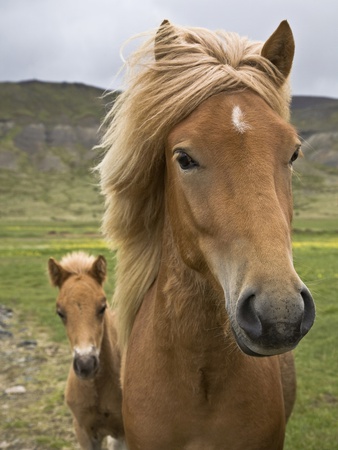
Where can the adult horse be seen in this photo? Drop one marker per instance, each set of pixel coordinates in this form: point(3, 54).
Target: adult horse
point(197, 179)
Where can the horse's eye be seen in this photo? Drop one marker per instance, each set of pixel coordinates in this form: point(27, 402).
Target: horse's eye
point(61, 314)
point(295, 155)
point(102, 310)
point(185, 161)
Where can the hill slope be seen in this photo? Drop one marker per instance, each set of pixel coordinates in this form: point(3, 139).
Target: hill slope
point(50, 103)
point(48, 130)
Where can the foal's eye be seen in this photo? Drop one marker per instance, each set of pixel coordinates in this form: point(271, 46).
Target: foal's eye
point(61, 314)
point(102, 310)
point(185, 161)
point(295, 155)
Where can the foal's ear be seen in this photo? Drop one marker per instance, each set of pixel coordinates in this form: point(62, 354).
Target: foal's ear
point(99, 269)
point(57, 274)
point(280, 48)
point(165, 36)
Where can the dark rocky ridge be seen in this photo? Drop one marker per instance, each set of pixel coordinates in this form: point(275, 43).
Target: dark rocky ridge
point(54, 126)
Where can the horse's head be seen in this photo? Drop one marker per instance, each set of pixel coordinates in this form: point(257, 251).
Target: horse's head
point(229, 166)
point(219, 106)
point(81, 305)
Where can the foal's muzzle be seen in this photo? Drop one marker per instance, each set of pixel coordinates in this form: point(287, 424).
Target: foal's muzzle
point(86, 366)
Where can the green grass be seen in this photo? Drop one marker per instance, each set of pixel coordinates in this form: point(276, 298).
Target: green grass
point(55, 197)
point(24, 251)
point(313, 424)
point(317, 225)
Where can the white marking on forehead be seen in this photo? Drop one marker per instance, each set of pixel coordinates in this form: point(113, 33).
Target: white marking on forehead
point(238, 120)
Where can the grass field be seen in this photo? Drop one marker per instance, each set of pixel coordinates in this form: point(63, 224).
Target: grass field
point(24, 250)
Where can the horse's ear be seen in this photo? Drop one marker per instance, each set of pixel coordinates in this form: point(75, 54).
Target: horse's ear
point(280, 48)
point(99, 269)
point(57, 274)
point(164, 36)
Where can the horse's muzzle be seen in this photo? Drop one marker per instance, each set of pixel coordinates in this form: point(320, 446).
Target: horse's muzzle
point(268, 326)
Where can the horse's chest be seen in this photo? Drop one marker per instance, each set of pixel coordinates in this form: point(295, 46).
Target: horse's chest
point(196, 396)
point(170, 403)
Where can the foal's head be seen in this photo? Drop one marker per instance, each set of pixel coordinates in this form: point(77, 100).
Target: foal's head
point(81, 305)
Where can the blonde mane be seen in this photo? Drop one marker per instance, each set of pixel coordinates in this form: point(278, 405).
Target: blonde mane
point(77, 262)
point(190, 66)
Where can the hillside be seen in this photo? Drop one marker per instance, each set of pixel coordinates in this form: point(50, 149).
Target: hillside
point(49, 126)
point(50, 103)
point(48, 130)
point(316, 118)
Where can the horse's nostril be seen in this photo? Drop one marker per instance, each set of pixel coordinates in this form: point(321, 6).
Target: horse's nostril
point(95, 363)
point(275, 322)
point(247, 317)
point(309, 311)
point(77, 365)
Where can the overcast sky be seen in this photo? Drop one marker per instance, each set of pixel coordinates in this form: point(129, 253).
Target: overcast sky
point(80, 40)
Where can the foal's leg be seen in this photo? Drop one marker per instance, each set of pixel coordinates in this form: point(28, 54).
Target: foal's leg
point(86, 441)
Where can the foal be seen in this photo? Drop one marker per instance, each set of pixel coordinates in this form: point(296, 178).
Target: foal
point(93, 391)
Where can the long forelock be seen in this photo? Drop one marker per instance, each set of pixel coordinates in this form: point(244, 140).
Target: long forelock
point(77, 263)
point(159, 94)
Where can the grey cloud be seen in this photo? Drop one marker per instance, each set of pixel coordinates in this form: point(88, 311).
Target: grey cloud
point(80, 40)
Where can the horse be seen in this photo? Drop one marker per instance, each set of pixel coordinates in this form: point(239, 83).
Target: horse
point(196, 172)
point(93, 391)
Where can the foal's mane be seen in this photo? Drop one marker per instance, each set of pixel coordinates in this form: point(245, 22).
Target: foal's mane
point(77, 263)
point(161, 92)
